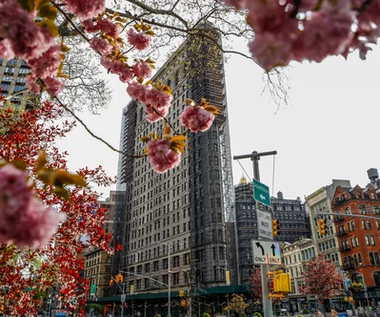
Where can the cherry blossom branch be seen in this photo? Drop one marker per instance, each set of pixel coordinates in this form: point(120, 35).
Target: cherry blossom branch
point(158, 11)
point(94, 135)
point(71, 21)
point(166, 121)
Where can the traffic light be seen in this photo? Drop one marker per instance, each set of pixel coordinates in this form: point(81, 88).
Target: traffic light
point(119, 278)
point(181, 293)
point(276, 227)
point(111, 282)
point(132, 289)
point(322, 227)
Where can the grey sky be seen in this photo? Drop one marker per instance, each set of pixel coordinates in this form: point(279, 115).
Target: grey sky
point(328, 131)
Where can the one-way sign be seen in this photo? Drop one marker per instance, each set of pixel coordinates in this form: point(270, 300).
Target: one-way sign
point(261, 192)
point(265, 252)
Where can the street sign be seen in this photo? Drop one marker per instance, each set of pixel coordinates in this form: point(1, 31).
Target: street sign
point(264, 224)
point(92, 289)
point(261, 193)
point(266, 252)
point(122, 298)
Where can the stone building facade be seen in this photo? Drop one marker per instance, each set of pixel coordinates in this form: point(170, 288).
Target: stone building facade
point(175, 223)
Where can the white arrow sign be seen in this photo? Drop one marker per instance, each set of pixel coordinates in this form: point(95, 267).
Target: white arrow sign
point(262, 196)
point(266, 252)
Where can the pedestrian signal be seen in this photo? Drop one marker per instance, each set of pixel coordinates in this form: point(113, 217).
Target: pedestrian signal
point(282, 283)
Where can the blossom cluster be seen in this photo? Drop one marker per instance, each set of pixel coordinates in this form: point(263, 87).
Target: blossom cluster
point(309, 29)
point(24, 220)
point(198, 118)
point(23, 38)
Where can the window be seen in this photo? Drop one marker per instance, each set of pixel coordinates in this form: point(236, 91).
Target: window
point(176, 261)
point(155, 266)
point(371, 258)
point(186, 258)
point(175, 278)
point(376, 276)
point(362, 210)
point(376, 210)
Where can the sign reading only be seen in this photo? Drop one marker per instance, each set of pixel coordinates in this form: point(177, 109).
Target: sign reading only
point(261, 193)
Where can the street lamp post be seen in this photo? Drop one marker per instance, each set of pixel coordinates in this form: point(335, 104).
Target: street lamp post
point(169, 280)
point(49, 302)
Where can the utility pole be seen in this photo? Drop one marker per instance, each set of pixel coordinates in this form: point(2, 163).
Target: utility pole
point(123, 300)
point(264, 268)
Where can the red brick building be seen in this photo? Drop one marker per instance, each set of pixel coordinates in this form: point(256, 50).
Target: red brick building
point(357, 224)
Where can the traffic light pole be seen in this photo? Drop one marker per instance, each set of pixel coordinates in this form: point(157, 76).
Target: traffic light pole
point(267, 303)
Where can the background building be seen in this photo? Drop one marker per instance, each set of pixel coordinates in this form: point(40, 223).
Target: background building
point(294, 257)
point(320, 202)
point(98, 262)
point(358, 237)
point(12, 81)
point(175, 223)
point(294, 222)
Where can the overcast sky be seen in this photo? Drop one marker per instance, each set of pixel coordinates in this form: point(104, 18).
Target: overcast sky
point(329, 130)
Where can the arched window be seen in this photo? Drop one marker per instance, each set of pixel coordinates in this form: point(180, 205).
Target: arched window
point(348, 211)
point(376, 277)
point(376, 210)
point(358, 278)
point(377, 261)
point(362, 210)
point(371, 258)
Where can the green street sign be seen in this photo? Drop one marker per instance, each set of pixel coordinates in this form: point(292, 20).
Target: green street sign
point(92, 289)
point(261, 193)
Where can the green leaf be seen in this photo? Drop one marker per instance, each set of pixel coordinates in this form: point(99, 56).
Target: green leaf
point(27, 5)
point(46, 10)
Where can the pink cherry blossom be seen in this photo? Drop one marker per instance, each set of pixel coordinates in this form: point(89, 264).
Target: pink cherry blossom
point(106, 61)
point(85, 9)
point(90, 26)
point(156, 113)
point(158, 98)
point(270, 50)
point(142, 69)
point(109, 28)
point(25, 37)
point(162, 157)
point(32, 86)
point(24, 220)
point(14, 190)
point(140, 40)
point(100, 45)
point(6, 49)
point(197, 119)
point(327, 33)
point(46, 65)
point(138, 91)
point(53, 86)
